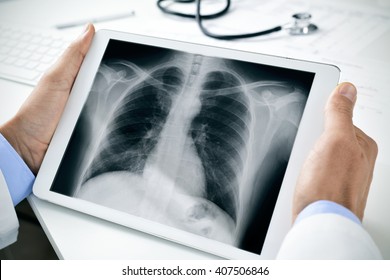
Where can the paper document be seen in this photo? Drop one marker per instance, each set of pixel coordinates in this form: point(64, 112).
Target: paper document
point(354, 35)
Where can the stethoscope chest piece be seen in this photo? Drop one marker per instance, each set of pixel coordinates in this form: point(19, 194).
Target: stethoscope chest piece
point(301, 25)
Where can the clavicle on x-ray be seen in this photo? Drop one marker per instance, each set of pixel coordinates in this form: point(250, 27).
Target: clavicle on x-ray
point(193, 142)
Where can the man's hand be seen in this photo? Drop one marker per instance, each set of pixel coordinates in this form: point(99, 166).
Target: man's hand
point(340, 166)
point(31, 130)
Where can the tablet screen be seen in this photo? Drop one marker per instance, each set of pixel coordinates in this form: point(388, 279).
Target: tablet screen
point(194, 142)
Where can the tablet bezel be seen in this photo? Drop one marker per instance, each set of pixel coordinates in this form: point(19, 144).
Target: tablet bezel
point(311, 126)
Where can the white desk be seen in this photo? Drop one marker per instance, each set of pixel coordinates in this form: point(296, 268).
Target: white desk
point(78, 236)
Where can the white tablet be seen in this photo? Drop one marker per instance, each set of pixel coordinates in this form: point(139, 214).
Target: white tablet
point(196, 144)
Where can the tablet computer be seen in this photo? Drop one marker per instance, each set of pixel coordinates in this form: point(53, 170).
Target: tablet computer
point(192, 143)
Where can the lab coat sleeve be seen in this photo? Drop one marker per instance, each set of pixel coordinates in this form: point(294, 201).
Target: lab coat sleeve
point(9, 224)
point(328, 236)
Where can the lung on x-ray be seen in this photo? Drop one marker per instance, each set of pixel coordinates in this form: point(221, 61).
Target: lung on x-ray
point(193, 142)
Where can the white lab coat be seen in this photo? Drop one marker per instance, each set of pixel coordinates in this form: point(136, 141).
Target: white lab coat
point(9, 224)
point(328, 236)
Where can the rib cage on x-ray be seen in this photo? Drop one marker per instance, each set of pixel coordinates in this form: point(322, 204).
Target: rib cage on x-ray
point(220, 133)
point(200, 126)
point(136, 124)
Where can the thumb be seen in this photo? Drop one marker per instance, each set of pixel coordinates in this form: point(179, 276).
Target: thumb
point(339, 108)
point(64, 71)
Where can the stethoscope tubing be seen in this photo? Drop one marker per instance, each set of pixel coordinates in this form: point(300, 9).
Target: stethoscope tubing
point(199, 19)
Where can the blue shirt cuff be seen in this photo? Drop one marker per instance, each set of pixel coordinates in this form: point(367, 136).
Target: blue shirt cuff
point(326, 207)
point(16, 173)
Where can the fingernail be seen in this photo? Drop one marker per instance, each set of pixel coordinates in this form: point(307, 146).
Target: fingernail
point(348, 90)
point(85, 29)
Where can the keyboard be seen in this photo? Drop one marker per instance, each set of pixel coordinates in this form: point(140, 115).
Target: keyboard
point(26, 53)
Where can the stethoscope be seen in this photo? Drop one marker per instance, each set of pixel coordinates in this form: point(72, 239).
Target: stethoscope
point(301, 24)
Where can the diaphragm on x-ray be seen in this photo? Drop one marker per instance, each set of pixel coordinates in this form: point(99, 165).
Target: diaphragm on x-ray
point(194, 142)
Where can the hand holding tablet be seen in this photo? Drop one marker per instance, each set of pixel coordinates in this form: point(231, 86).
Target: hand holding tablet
point(195, 144)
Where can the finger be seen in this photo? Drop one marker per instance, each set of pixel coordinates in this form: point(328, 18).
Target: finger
point(370, 150)
point(339, 108)
point(369, 146)
point(64, 71)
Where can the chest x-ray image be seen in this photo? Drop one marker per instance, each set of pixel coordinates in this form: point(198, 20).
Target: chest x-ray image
point(193, 142)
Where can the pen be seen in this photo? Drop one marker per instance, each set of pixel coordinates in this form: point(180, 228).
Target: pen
point(95, 20)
